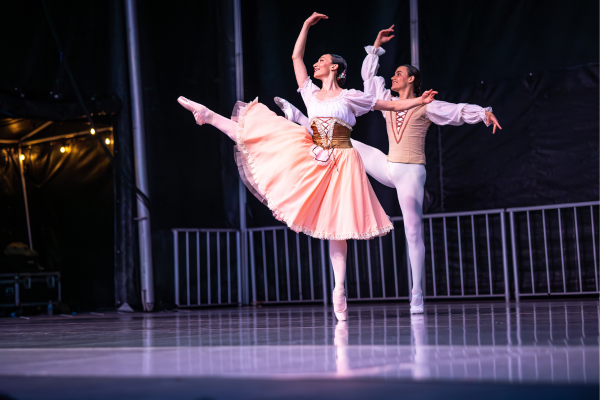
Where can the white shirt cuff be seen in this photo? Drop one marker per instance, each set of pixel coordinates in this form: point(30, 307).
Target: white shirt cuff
point(379, 51)
point(482, 114)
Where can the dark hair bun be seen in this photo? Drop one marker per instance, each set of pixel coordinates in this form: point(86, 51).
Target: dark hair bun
point(342, 67)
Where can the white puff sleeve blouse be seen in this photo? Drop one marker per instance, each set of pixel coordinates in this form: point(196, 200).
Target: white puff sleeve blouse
point(438, 112)
point(347, 106)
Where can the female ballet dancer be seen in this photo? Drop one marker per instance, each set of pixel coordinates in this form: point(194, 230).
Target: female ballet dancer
point(316, 185)
point(404, 167)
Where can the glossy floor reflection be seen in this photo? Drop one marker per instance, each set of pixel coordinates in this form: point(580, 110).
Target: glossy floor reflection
point(547, 342)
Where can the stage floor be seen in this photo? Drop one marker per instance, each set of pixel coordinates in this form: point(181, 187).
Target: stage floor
point(531, 342)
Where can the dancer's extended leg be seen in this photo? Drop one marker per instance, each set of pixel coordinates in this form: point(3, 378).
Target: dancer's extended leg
point(337, 253)
point(409, 180)
point(376, 163)
point(203, 115)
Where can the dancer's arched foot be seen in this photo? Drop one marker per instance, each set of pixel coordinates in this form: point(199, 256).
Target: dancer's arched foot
point(286, 107)
point(202, 115)
point(416, 305)
point(340, 306)
point(293, 114)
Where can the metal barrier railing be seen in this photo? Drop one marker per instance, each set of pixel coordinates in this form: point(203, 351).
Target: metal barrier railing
point(453, 243)
point(284, 272)
point(207, 271)
point(536, 247)
point(286, 267)
point(466, 257)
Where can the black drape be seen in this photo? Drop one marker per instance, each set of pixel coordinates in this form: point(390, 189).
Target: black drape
point(187, 50)
point(536, 64)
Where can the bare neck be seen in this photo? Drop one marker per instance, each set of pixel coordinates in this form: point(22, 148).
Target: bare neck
point(406, 93)
point(330, 85)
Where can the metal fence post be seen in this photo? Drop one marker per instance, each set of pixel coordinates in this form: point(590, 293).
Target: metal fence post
point(504, 256)
point(176, 260)
point(323, 274)
point(513, 242)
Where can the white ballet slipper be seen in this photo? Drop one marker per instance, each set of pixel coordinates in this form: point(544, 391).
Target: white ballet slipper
point(202, 115)
point(293, 114)
point(286, 107)
point(337, 297)
point(416, 305)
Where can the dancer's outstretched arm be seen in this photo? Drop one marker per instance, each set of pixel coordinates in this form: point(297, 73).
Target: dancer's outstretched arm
point(298, 55)
point(373, 84)
point(444, 113)
point(400, 105)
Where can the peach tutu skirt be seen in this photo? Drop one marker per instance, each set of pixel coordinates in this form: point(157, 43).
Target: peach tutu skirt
point(333, 201)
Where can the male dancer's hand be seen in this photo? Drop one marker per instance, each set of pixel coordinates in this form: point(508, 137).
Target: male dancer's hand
point(428, 96)
point(384, 36)
point(491, 118)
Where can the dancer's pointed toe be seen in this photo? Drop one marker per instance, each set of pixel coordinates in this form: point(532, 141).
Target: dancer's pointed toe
point(185, 103)
point(202, 115)
point(286, 107)
point(339, 300)
point(417, 304)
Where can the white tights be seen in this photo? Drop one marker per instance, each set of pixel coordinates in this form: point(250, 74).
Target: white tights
point(337, 253)
point(409, 182)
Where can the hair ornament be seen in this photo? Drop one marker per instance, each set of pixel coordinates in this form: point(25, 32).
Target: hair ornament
point(342, 76)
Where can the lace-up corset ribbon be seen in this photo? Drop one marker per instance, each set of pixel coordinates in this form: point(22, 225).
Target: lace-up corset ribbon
point(331, 133)
point(406, 134)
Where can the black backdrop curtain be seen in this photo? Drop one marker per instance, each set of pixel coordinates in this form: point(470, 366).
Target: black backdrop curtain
point(535, 62)
point(187, 49)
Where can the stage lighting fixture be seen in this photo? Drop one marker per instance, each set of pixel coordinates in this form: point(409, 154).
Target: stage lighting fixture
point(22, 157)
point(63, 149)
point(107, 141)
point(93, 131)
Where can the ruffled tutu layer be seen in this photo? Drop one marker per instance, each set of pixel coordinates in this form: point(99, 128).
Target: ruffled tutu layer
point(333, 201)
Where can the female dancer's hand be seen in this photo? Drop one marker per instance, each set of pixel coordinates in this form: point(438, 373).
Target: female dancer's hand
point(314, 18)
point(491, 118)
point(427, 96)
point(384, 36)
point(298, 54)
point(406, 104)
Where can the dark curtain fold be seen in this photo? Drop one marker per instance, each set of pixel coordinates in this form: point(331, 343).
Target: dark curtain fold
point(187, 49)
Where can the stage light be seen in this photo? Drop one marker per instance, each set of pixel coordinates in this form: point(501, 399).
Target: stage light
point(93, 131)
point(62, 149)
point(107, 141)
point(22, 157)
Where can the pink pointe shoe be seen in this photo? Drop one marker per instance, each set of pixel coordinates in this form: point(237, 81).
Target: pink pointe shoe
point(202, 115)
point(339, 299)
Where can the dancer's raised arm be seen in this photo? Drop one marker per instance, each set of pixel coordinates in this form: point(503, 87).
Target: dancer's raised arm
point(373, 84)
point(400, 105)
point(298, 55)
